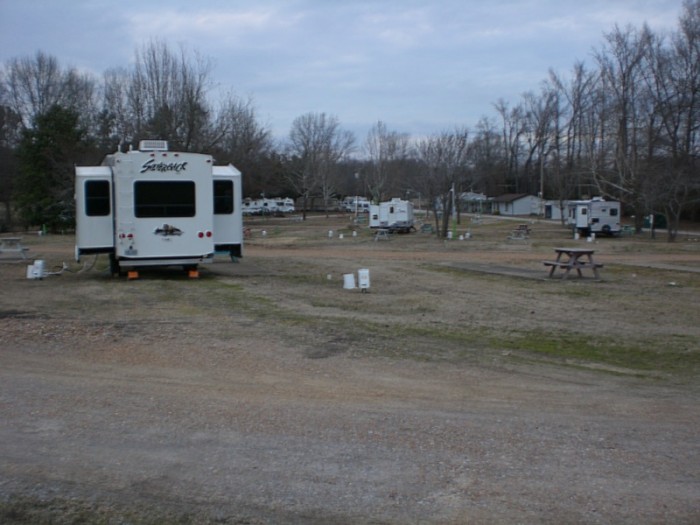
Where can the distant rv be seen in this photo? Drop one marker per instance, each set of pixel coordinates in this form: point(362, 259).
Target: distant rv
point(595, 216)
point(356, 204)
point(268, 206)
point(395, 215)
point(155, 207)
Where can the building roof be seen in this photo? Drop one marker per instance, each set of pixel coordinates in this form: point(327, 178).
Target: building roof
point(511, 197)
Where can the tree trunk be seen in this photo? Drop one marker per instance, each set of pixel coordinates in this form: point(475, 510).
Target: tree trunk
point(673, 221)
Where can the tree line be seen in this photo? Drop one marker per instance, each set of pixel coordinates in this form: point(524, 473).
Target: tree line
point(624, 127)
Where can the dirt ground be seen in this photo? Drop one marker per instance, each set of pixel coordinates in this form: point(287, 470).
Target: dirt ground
point(463, 387)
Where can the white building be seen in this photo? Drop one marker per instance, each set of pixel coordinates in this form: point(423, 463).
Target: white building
point(514, 204)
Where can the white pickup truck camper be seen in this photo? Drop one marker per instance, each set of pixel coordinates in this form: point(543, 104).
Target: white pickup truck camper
point(595, 216)
point(155, 207)
point(395, 215)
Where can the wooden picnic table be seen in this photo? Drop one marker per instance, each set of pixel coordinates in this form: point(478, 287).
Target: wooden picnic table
point(520, 233)
point(573, 259)
point(13, 245)
point(382, 233)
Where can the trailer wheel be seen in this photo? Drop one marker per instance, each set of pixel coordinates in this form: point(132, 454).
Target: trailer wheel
point(606, 229)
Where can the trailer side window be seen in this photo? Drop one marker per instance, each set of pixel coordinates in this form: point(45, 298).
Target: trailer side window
point(97, 202)
point(164, 199)
point(613, 212)
point(223, 197)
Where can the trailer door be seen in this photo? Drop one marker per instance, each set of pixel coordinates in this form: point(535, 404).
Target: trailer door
point(582, 216)
point(93, 210)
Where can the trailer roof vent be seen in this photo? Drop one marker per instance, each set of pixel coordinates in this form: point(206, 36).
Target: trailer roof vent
point(153, 145)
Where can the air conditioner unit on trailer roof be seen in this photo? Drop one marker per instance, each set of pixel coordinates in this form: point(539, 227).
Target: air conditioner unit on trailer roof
point(153, 145)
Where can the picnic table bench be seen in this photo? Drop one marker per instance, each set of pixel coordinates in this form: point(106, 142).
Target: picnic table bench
point(382, 234)
point(520, 232)
point(573, 259)
point(627, 230)
point(13, 245)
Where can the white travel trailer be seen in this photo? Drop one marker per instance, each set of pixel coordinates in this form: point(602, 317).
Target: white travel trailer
point(155, 207)
point(395, 215)
point(268, 206)
point(595, 216)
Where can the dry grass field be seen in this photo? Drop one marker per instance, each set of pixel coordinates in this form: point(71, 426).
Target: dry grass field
point(463, 387)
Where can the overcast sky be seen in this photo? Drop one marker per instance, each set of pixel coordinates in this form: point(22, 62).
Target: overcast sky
point(421, 67)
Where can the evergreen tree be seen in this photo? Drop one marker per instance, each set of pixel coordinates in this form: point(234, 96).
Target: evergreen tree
point(47, 155)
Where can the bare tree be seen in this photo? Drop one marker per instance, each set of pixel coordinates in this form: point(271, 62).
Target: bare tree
point(486, 156)
point(163, 96)
point(35, 85)
point(316, 145)
point(445, 159)
point(386, 151)
point(621, 63)
point(116, 121)
point(512, 130)
point(674, 81)
point(570, 167)
point(167, 95)
point(541, 127)
point(238, 137)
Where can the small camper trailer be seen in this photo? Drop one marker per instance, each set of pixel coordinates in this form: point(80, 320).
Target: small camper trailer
point(595, 216)
point(155, 207)
point(395, 215)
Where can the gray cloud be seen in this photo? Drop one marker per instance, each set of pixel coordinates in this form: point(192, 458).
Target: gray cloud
point(419, 66)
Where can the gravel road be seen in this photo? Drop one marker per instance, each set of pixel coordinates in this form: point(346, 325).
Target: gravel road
point(168, 400)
